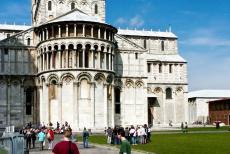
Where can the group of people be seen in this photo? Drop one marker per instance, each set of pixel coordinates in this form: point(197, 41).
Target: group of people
point(138, 135)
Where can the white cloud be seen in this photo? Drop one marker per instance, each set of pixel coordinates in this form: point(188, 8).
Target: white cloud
point(136, 21)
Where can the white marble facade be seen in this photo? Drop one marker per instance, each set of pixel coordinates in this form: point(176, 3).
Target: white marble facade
point(72, 66)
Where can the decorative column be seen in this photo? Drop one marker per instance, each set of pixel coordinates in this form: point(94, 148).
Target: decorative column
point(105, 34)
point(75, 30)
point(99, 33)
point(105, 60)
point(41, 103)
point(43, 63)
point(67, 31)
point(47, 34)
point(92, 31)
point(59, 31)
point(92, 89)
point(51, 59)
point(47, 60)
point(105, 106)
point(112, 62)
point(92, 58)
point(113, 106)
point(83, 26)
point(43, 35)
point(99, 59)
point(74, 59)
point(60, 103)
point(109, 36)
point(83, 57)
point(75, 105)
point(52, 32)
point(109, 54)
point(59, 59)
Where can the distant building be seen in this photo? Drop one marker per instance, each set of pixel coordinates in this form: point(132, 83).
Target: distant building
point(219, 110)
point(70, 65)
point(198, 107)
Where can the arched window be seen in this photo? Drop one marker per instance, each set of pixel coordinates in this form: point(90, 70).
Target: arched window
point(49, 5)
point(168, 93)
point(96, 9)
point(72, 5)
point(28, 41)
point(162, 46)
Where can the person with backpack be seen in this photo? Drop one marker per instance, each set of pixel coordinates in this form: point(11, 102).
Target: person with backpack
point(85, 136)
point(66, 146)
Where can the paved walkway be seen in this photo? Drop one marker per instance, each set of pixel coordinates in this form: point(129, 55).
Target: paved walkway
point(93, 148)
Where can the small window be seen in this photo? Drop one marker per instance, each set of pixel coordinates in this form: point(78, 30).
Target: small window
point(149, 67)
point(28, 41)
point(7, 35)
point(117, 101)
point(96, 9)
point(6, 51)
point(162, 46)
point(49, 5)
point(168, 93)
point(160, 68)
point(136, 55)
point(170, 68)
point(72, 5)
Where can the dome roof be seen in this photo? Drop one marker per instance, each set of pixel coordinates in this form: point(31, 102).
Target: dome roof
point(75, 15)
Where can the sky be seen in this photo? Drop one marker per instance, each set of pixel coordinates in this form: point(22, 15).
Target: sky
point(202, 26)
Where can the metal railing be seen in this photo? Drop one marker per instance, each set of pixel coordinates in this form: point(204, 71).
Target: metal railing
point(12, 142)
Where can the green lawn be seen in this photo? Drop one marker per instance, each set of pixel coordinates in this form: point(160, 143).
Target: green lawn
point(3, 151)
point(216, 143)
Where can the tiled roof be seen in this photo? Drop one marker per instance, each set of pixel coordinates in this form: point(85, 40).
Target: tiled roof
point(14, 27)
point(209, 94)
point(128, 32)
point(165, 58)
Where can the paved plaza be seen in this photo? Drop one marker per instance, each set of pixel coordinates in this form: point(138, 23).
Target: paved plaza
point(93, 149)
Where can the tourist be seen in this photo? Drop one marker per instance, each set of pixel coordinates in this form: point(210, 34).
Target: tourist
point(149, 134)
point(182, 127)
point(33, 137)
point(41, 139)
point(50, 138)
point(28, 138)
point(85, 135)
point(109, 135)
point(66, 146)
point(132, 133)
point(125, 145)
point(127, 133)
point(186, 127)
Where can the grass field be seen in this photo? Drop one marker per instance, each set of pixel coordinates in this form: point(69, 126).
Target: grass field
point(3, 151)
point(203, 143)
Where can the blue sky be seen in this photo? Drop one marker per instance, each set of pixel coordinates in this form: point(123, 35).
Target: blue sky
point(201, 25)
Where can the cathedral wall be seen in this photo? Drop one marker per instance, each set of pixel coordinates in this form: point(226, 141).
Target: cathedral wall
point(49, 9)
point(156, 45)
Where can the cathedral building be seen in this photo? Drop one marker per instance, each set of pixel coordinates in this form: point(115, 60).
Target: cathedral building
point(71, 65)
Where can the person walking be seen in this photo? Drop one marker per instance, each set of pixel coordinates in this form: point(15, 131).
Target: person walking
point(85, 135)
point(66, 146)
point(41, 138)
point(125, 145)
point(109, 135)
point(50, 138)
point(33, 137)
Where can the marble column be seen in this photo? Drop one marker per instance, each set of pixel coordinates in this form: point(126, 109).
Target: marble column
point(43, 35)
point(83, 57)
point(92, 94)
point(47, 34)
point(113, 106)
point(67, 31)
point(59, 59)
point(43, 60)
point(59, 31)
point(52, 32)
point(41, 103)
point(105, 106)
point(99, 33)
point(75, 30)
point(60, 103)
point(75, 105)
point(91, 31)
point(83, 30)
